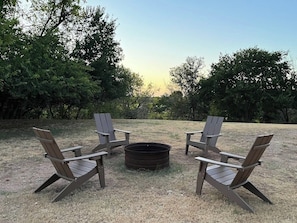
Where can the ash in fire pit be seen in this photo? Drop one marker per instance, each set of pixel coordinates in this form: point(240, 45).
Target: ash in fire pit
point(151, 156)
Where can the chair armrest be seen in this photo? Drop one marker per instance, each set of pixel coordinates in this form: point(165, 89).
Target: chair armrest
point(202, 159)
point(193, 132)
point(98, 155)
point(92, 156)
point(212, 136)
point(226, 156)
point(102, 133)
point(230, 155)
point(124, 131)
point(71, 149)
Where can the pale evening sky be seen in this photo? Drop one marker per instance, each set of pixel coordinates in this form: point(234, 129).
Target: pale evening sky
point(157, 35)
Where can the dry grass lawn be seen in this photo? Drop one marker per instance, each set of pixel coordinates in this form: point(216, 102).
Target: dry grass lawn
point(167, 195)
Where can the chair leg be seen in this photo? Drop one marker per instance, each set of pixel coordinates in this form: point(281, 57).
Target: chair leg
point(108, 149)
point(127, 138)
point(73, 185)
point(229, 193)
point(76, 183)
point(187, 149)
point(200, 177)
point(100, 169)
point(205, 151)
point(77, 152)
point(188, 138)
point(206, 147)
point(255, 191)
point(233, 196)
point(49, 181)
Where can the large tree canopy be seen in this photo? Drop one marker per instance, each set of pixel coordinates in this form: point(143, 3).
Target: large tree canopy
point(66, 60)
point(97, 47)
point(253, 84)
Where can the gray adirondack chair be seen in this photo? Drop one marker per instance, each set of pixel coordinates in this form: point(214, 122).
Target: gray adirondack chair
point(77, 169)
point(209, 135)
point(106, 133)
point(227, 177)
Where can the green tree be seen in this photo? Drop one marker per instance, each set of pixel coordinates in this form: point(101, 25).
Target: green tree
point(9, 32)
point(42, 77)
point(6, 7)
point(252, 84)
point(98, 48)
point(13, 45)
point(39, 76)
point(187, 77)
point(138, 102)
point(175, 105)
point(66, 61)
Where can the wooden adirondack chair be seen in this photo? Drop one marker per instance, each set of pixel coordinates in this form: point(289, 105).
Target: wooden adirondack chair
point(106, 133)
point(222, 175)
point(77, 169)
point(209, 135)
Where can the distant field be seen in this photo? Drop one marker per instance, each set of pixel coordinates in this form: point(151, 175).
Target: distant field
point(143, 196)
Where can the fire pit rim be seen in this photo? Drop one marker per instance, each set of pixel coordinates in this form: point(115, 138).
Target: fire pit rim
point(164, 147)
point(155, 157)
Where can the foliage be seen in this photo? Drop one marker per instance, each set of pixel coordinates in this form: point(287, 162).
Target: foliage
point(138, 104)
point(132, 100)
point(11, 51)
point(173, 106)
point(187, 77)
point(7, 6)
point(97, 47)
point(188, 74)
point(47, 16)
point(252, 84)
point(41, 75)
point(60, 60)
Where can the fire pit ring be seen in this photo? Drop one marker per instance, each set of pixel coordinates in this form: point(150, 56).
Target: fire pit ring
point(147, 155)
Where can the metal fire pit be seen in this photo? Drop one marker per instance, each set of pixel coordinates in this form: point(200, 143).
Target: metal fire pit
point(151, 156)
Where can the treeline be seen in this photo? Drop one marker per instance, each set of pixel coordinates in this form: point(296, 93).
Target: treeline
point(251, 85)
point(61, 60)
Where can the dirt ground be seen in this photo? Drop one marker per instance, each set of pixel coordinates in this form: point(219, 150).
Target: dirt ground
point(143, 196)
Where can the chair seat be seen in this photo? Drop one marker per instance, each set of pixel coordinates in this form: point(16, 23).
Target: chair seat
point(223, 175)
point(81, 167)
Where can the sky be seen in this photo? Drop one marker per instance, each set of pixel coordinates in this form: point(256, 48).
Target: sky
point(157, 35)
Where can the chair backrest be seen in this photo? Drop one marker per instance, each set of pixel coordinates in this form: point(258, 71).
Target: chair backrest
point(212, 126)
point(252, 159)
point(52, 149)
point(104, 124)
